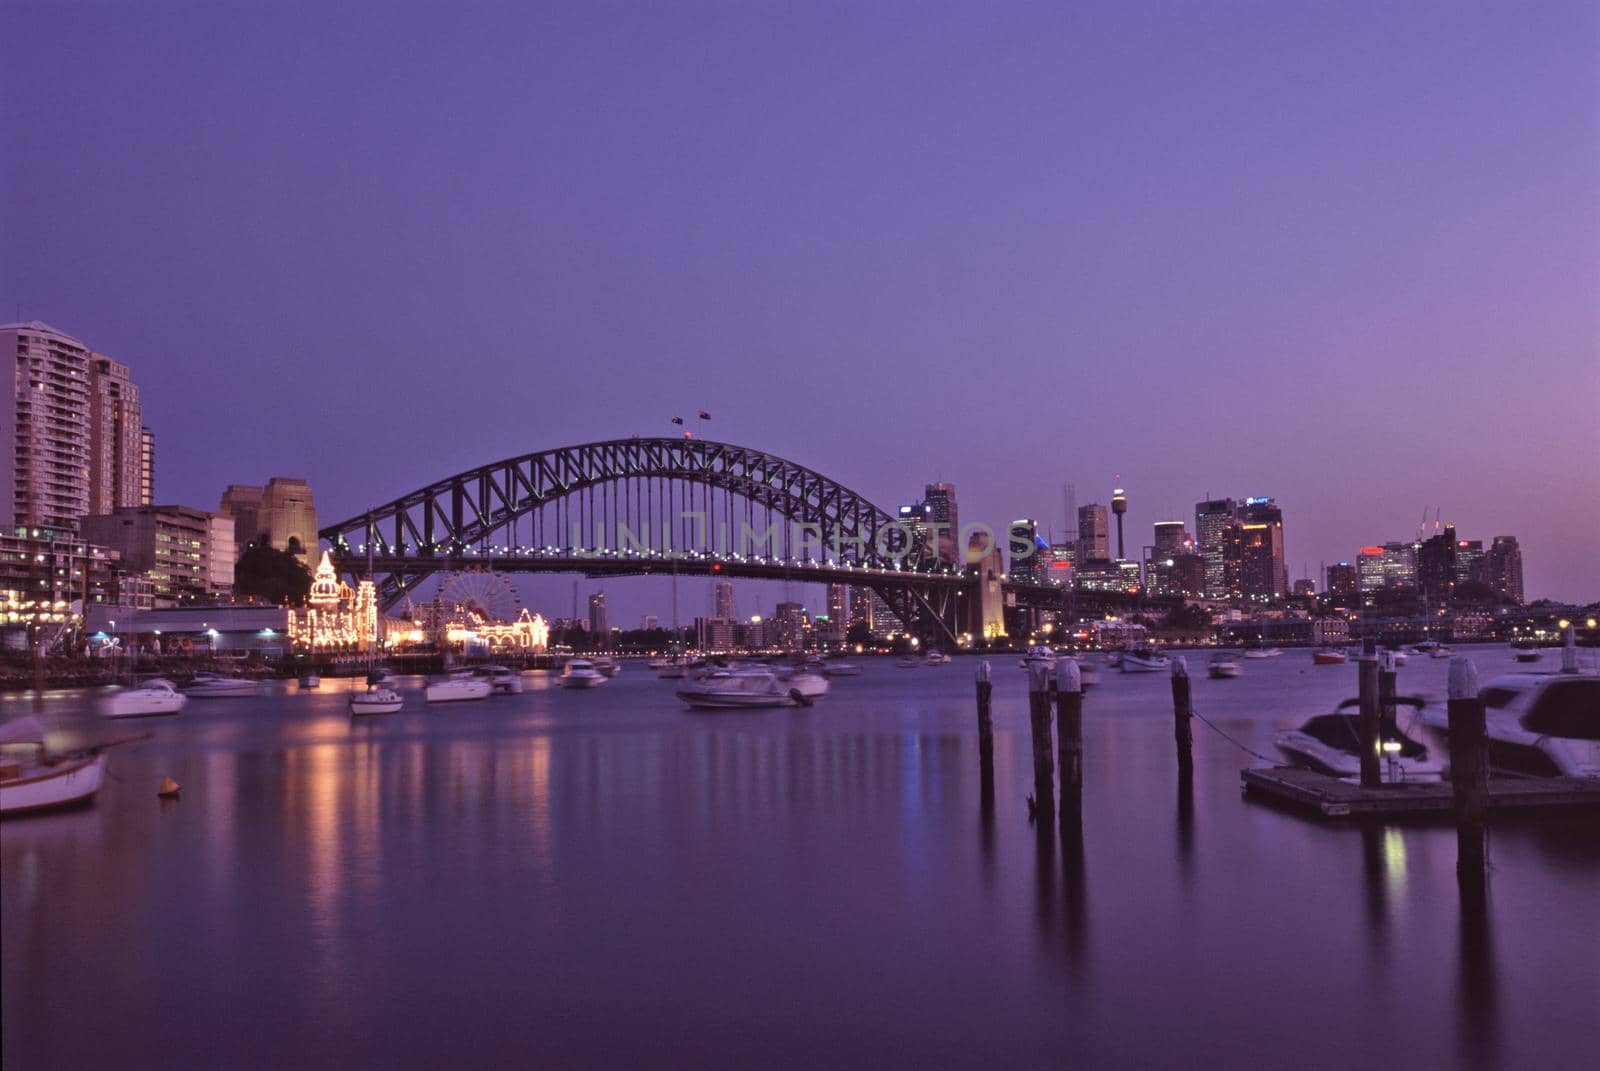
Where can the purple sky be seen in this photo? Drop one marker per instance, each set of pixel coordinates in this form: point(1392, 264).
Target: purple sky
point(1343, 254)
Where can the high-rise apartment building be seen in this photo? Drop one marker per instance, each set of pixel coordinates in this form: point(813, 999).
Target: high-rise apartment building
point(1436, 567)
point(1342, 584)
point(116, 437)
point(71, 437)
point(1504, 568)
point(598, 626)
point(49, 454)
point(1471, 565)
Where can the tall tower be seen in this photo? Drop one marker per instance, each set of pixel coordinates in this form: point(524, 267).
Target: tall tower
point(1119, 506)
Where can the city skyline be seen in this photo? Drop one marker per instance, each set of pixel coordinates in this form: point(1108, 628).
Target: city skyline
point(367, 310)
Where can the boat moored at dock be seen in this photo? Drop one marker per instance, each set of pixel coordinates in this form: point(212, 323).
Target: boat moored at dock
point(501, 681)
point(457, 690)
point(580, 673)
point(1143, 660)
point(1547, 724)
point(375, 700)
point(153, 698)
point(1331, 744)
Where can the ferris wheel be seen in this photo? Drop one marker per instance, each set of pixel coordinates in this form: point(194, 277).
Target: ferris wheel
point(483, 592)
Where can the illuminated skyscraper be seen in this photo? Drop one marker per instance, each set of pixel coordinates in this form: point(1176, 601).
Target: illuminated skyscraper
point(940, 502)
point(1266, 572)
point(1093, 533)
point(1210, 519)
point(722, 600)
point(1505, 568)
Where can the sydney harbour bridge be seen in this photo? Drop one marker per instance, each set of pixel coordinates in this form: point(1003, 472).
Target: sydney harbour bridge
point(673, 506)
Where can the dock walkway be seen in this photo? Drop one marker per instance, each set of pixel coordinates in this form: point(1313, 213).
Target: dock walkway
point(1334, 798)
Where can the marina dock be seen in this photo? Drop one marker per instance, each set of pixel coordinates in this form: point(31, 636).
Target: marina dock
point(1333, 798)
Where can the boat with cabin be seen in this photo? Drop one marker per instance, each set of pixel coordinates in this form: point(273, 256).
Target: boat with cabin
point(1223, 667)
point(152, 698)
point(502, 681)
point(1143, 660)
point(580, 673)
point(1545, 724)
point(216, 686)
point(1331, 744)
point(40, 781)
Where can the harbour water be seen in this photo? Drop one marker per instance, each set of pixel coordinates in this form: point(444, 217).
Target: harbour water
point(603, 878)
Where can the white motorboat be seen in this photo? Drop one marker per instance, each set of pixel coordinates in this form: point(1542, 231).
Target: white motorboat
point(580, 673)
point(45, 782)
point(1262, 652)
point(212, 686)
point(309, 681)
point(1223, 667)
point(1039, 656)
point(936, 658)
point(375, 700)
point(1114, 659)
point(748, 690)
point(502, 681)
point(150, 699)
point(457, 690)
point(1440, 651)
point(658, 663)
point(908, 663)
point(1143, 660)
point(1539, 723)
point(806, 681)
point(1331, 744)
point(836, 668)
point(608, 667)
point(1399, 658)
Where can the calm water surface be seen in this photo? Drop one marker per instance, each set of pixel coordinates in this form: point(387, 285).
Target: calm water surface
point(605, 879)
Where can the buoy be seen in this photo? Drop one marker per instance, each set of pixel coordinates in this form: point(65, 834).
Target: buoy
point(169, 789)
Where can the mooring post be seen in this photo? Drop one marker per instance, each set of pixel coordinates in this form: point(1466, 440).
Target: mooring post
point(1569, 651)
point(1182, 712)
point(1044, 774)
point(1469, 769)
point(1371, 773)
point(1069, 733)
point(985, 730)
point(1388, 676)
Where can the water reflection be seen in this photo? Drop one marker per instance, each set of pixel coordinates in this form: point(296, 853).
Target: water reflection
point(1477, 989)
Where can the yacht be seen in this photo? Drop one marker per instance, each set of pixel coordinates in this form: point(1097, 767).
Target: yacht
point(1539, 723)
point(936, 658)
point(1327, 656)
point(580, 673)
point(212, 686)
point(1440, 651)
point(1528, 655)
point(1223, 667)
point(1262, 652)
point(749, 690)
point(502, 681)
point(457, 690)
point(609, 667)
point(1143, 660)
point(839, 668)
point(1331, 744)
point(805, 680)
point(375, 700)
point(44, 782)
point(153, 697)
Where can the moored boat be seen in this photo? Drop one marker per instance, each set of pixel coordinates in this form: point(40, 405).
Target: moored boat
point(1038, 655)
point(936, 658)
point(214, 686)
point(502, 681)
point(152, 698)
point(1223, 667)
point(608, 667)
point(375, 700)
point(457, 690)
point(1331, 744)
point(1546, 724)
point(1143, 660)
point(45, 782)
point(748, 690)
point(1327, 656)
point(839, 668)
point(580, 673)
point(309, 681)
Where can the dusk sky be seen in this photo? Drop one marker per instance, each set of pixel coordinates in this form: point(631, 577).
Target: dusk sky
point(1344, 254)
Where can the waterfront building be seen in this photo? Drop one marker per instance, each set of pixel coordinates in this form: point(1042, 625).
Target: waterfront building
point(1390, 566)
point(789, 621)
point(335, 617)
point(1094, 541)
point(282, 514)
point(1471, 565)
point(1504, 568)
point(173, 544)
point(1211, 518)
point(713, 634)
point(49, 455)
point(44, 580)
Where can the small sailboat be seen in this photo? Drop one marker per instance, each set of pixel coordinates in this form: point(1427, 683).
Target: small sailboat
point(1223, 667)
point(457, 690)
point(1328, 656)
point(47, 782)
point(375, 700)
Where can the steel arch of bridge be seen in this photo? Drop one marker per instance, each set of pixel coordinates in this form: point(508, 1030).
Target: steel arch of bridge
point(441, 526)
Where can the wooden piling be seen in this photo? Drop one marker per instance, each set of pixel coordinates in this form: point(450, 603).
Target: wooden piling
point(1044, 774)
point(1371, 772)
point(1069, 733)
point(1388, 678)
point(1182, 713)
point(985, 731)
point(1469, 770)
